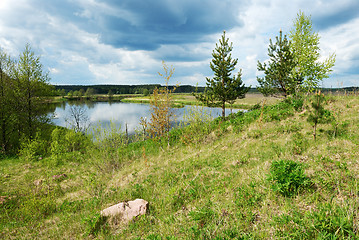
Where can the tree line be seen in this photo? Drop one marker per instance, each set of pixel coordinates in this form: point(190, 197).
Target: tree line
point(80, 90)
point(23, 86)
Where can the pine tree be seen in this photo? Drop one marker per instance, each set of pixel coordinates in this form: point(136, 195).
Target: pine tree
point(223, 87)
point(318, 114)
point(278, 78)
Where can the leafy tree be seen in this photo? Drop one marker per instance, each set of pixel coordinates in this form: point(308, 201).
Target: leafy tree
point(161, 112)
point(223, 87)
point(23, 85)
point(110, 94)
point(81, 92)
point(305, 46)
point(70, 94)
point(146, 92)
point(62, 92)
point(6, 102)
point(278, 78)
point(32, 87)
point(89, 92)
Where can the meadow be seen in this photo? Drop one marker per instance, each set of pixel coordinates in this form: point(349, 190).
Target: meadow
point(181, 99)
point(257, 175)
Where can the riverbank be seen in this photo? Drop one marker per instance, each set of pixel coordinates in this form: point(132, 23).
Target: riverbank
point(212, 180)
point(248, 102)
point(179, 100)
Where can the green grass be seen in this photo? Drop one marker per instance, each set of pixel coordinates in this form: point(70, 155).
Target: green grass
point(182, 99)
point(216, 180)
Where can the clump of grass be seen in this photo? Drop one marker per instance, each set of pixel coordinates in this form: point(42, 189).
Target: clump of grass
point(287, 177)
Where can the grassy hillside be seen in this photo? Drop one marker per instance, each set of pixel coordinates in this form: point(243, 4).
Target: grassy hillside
point(259, 175)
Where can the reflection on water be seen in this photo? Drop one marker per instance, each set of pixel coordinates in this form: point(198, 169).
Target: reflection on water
point(120, 114)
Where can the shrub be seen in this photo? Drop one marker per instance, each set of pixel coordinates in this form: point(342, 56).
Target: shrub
point(287, 177)
point(64, 141)
point(33, 149)
point(94, 224)
point(318, 114)
point(300, 143)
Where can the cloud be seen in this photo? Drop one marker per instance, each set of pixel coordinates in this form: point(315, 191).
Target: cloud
point(333, 13)
point(124, 42)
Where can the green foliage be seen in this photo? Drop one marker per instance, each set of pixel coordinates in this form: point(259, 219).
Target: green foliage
point(305, 47)
point(195, 120)
point(32, 87)
point(287, 177)
point(318, 114)
point(248, 196)
point(204, 214)
point(333, 222)
point(161, 113)
point(279, 111)
point(146, 92)
point(278, 78)
point(296, 100)
point(213, 190)
point(327, 221)
point(110, 94)
point(64, 141)
point(33, 149)
point(223, 87)
point(300, 143)
point(89, 92)
point(23, 86)
point(70, 94)
point(94, 224)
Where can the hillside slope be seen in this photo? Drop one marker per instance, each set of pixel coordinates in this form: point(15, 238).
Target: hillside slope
point(226, 180)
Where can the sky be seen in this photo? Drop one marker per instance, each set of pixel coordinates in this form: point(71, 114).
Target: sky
point(87, 42)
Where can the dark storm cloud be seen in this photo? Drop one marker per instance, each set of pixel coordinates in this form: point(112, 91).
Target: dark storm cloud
point(146, 25)
point(340, 13)
point(124, 41)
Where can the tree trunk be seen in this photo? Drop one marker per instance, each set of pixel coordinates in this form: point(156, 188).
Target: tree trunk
point(223, 110)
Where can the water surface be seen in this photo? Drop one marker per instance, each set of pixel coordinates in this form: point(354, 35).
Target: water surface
point(121, 114)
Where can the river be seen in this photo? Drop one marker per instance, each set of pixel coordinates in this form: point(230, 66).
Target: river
point(121, 114)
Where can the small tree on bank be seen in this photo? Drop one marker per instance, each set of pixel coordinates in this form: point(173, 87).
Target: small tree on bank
point(223, 87)
point(278, 79)
point(162, 114)
point(305, 48)
point(294, 65)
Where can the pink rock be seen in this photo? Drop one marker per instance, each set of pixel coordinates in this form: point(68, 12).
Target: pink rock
point(126, 210)
point(60, 176)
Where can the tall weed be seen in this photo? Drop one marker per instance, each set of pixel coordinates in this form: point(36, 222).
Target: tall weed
point(287, 177)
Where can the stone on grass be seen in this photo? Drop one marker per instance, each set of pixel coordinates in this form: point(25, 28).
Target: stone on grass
point(126, 211)
point(59, 177)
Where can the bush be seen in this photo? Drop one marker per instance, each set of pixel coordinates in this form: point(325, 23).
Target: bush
point(287, 177)
point(33, 149)
point(300, 143)
point(65, 141)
